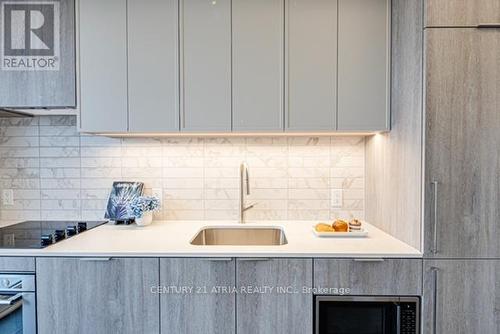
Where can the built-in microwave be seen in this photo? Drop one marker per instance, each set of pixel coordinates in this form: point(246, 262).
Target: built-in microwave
point(366, 315)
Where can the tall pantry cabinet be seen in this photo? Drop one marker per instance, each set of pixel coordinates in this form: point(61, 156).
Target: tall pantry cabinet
point(462, 166)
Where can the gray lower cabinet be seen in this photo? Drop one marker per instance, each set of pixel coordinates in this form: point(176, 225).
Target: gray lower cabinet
point(311, 63)
point(205, 38)
point(103, 65)
point(37, 68)
point(461, 296)
point(97, 296)
point(462, 184)
point(153, 67)
point(363, 65)
point(461, 13)
point(204, 309)
point(369, 276)
point(287, 311)
point(17, 264)
point(257, 65)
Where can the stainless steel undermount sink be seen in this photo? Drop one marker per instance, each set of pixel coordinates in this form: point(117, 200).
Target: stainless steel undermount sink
point(240, 236)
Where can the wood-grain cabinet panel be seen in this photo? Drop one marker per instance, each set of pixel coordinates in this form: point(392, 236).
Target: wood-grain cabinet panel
point(45, 85)
point(461, 296)
point(286, 312)
point(15, 264)
point(370, 276)
point(462, 183)
point(97, 296)
point(461, 13)
point(202, 309)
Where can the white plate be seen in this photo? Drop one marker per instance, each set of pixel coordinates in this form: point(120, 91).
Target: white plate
point(354, 234)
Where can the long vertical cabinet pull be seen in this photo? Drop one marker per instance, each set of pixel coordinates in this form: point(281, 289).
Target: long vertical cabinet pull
point(435, 222)
point(182, 112)
point(435, 272)
point(488, 26)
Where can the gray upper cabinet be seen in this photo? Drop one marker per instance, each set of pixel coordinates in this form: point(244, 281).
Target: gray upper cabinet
point(280, 312)
point(461, 296)
point(257, 59)
point(311, 63)
point(462, 195)
point(461, 13)
point(153, 71)
point(205, 65)
point(225, 66)
point(103, 65)
point(129, 66)
point(203, 310)
point(363, 65)
point(37, 68)
point(97, 296)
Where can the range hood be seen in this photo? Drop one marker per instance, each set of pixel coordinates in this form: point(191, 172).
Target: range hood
point(5, 112)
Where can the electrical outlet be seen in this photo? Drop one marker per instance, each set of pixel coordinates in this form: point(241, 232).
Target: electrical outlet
point(8, 197)
point(337, 199)
point(9, 240)
point(158, 193)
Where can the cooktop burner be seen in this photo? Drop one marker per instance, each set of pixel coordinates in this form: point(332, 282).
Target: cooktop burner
point(40, 234)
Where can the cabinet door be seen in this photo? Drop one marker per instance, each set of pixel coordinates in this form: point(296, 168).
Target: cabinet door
point(205, 65)
point(311, 71)
point(204, 309)
point(461, 13)
point(153, 71)
point(462, 184)
point(370, 276)
point(461, 296)
point(284, 309)
point(258, 32)
point(49, 82)
point(103, 65)
point(97, 297)
point(363, 65)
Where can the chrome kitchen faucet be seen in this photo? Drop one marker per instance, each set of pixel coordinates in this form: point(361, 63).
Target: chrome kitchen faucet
point(244, 183)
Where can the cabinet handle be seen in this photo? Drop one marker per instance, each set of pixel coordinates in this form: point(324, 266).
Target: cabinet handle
point(250, 259)
point(11, 300)
point(434, 249)
point(218, 259)
point(435, 272)
point(95, 259)
point(398, 319)
point(488, 26)
point(369, 260)
point(180, 54)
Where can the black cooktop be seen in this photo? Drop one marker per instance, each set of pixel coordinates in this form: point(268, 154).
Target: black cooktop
point(40, 234)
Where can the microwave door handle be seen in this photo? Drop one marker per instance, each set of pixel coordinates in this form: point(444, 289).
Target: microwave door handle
point(398, 319)
point(11, 300)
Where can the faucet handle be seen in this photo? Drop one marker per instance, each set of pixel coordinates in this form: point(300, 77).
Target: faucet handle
point(251, 206)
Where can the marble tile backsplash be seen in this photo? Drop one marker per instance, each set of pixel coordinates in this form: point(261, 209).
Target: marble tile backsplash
point(56, 173)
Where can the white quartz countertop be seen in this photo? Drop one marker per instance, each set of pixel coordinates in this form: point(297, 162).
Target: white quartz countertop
point(172, 239)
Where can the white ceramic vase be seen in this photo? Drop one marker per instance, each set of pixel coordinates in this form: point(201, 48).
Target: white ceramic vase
point(145, 220)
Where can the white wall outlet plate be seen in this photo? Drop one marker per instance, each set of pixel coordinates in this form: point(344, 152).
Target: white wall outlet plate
point(9, 240)
point(158, 193)
point(7, 197)
point(337, 198)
